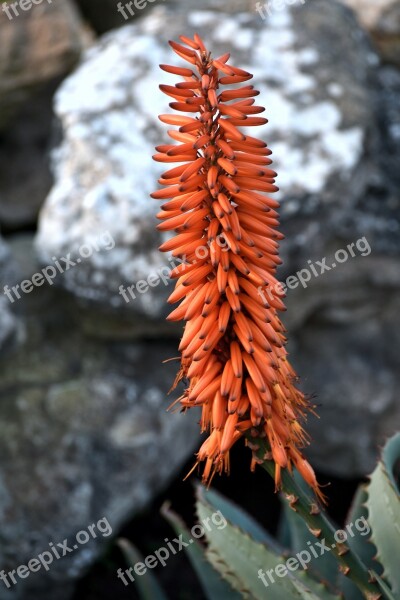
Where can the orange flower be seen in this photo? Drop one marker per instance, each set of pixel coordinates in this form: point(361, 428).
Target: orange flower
point(233, 354)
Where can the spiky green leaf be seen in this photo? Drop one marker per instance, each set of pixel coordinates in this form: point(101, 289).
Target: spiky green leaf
point(241, 560)
point(391, 460)
point(323, 565)
point(237, 516)
point(384, 587)
point(147, 584)
point(359, 542)
point(214, 587)
point(383, 506)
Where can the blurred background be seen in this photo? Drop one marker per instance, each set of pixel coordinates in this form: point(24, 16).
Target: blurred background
point(84, 432)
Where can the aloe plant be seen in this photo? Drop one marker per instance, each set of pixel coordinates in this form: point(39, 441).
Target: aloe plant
point(244, 561)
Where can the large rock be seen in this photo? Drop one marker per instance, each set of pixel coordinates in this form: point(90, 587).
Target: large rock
point(317, 75)
point(84, 433)
point(389, 117)
point(8, 322)
point(321, 132)
point(37, 48)
point(53, 37)
point(25, 178)
point(344, 340)
point(104, 15)
point(369, 11)
point(382, 19)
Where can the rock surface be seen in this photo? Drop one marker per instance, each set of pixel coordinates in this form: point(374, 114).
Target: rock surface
point(25, 178)
point(389, 81)
point(8, 323)
point(103, 15)
point(53, 37)
point(84, 433)
point(382, 19)
point(339, 327)
point(108, 109)
point(369, 11)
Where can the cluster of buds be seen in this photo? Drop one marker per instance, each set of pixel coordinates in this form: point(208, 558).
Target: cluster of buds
point(233, 356)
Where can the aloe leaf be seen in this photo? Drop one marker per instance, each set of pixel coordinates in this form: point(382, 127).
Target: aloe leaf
point(320, 525)
point(384, 513)
point(308, 594)
point(147, 584)
point(391, 460)
point(360, 544)
point(384, 587)
point(214, 587)
point(237, 516)
point(251, 567)
point(284, 533)
point(323, 566)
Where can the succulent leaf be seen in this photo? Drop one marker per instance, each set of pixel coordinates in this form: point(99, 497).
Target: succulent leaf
point(214, 587)
point(384, 587)
point(237, 516)
point(391, 460)
point(147, 585)
point(323, 567)
point(360, 544)
point(240, 559)
point(384, 513)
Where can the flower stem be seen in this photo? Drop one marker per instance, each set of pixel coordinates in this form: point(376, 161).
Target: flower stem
point(321, 527)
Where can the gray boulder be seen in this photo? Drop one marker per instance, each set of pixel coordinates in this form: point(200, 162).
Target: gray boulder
point(382, 19)
point(53, 37)
point(344, 341)
point(320, 132)
point(38, 47)
point(25, 178)
point(104, 15)
point(8, 322)
point(85, 437)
